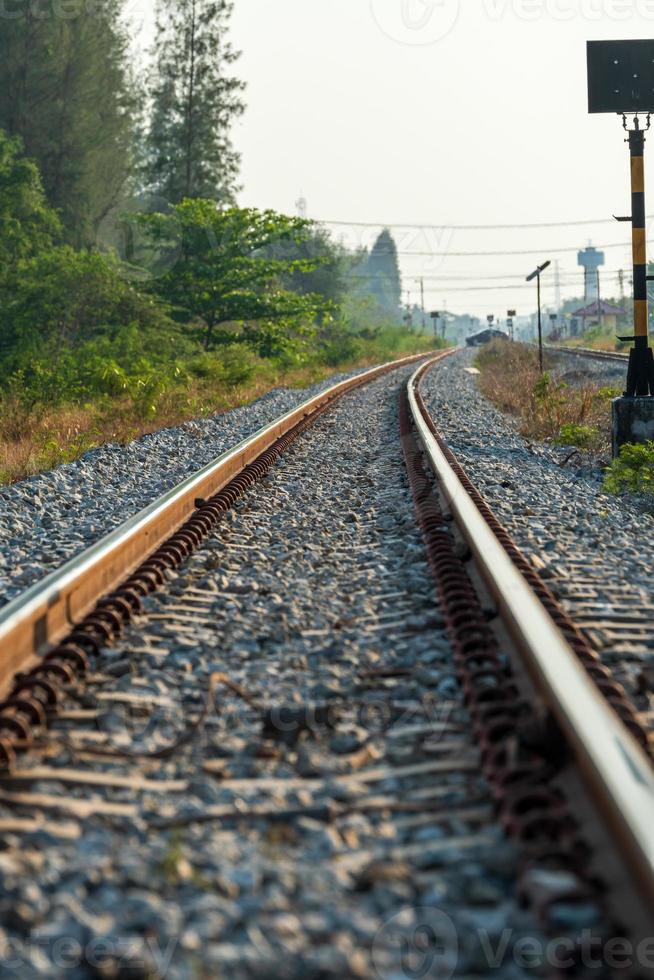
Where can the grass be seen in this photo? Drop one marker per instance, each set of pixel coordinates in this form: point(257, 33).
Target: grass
point(38, 438)
point(546, 408)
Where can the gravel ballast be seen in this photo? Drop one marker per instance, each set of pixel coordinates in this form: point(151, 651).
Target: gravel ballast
point(593, 549)
point(53, 516)
point(312, 611)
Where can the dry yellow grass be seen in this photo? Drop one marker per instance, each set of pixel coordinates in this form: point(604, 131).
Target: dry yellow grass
point(546, 408)
point(38, 440)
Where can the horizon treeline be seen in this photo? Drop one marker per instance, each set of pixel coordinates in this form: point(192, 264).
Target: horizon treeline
point(102, 130)
point(130, 279)
point(109, 136)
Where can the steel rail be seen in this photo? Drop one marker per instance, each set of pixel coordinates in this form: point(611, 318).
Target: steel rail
point(618, 773)
point(598, 355)
point(44, 614)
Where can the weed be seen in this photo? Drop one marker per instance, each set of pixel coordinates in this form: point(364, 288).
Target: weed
point(546, 407)
point(632, 470)
point(582, 436)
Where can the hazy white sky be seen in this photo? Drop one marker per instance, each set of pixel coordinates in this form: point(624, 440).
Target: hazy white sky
point(440, 112)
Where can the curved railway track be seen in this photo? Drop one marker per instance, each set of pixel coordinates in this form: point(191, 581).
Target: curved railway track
point(565, 764)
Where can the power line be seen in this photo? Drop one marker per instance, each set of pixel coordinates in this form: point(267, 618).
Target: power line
point(445, 225)
point(572, 277)
point(522, 251)
point(479, 289)
point(513, 275)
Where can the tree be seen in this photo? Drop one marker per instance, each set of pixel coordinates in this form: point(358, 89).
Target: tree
point(194, 101)
point(380, 274)
point(224, 276)
point(27, 224)
point(66, 90)
point(63, 297)
point(332, 264)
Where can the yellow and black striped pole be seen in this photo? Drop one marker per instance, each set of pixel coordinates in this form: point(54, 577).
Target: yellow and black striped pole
point(640, 376)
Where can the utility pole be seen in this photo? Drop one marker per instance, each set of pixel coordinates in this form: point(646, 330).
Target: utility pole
point(536, 275)
point(599, 303)
point(422, 301)
point(557, 287)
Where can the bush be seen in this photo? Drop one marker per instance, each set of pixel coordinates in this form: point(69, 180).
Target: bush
point(583, 436)
point(63, 298)
point(633, 470)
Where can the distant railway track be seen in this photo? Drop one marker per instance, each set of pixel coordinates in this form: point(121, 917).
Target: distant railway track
point(556, 738)
point(588, 352)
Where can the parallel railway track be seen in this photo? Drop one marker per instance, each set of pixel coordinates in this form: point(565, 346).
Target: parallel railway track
point(589, 352)
point(551, 734)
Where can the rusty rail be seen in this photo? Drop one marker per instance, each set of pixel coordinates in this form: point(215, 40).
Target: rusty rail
point(616, 768)
point(48, 633)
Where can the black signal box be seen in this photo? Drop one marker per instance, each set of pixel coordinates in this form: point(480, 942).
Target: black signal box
point(620, 76)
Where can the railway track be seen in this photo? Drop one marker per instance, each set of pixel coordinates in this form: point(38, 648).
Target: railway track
point(589, 353)
point(378, 758)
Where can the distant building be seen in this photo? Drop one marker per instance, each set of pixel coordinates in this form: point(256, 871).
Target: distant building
point(590, 316)
point(591, 260)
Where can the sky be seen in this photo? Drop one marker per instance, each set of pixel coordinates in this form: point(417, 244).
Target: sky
point(437, 114)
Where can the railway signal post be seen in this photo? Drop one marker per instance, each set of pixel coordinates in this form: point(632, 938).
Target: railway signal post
point(536, 275)
point(621, 80)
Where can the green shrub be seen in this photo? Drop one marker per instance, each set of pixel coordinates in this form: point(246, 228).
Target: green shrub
point(238, 365)
point(340, 348)
point(633, 470)
point(64, 298)
point(608, 393)
point(583, 436)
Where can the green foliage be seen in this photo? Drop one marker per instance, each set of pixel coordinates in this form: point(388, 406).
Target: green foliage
point(633, 470)
point(224, 277)
point(331, 264)
point(66, 90)
point(545, 386)
point(194, 99)
point(379, 275)
point(233, 365)
point(27, 224)
point(62, 298)
point(572, 434)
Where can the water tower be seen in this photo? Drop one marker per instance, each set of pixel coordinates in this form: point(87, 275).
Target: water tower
point(591, 260)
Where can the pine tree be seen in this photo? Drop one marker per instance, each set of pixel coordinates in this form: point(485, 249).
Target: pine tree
point(382, 273)
point(66, 90)
point(194, 102)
